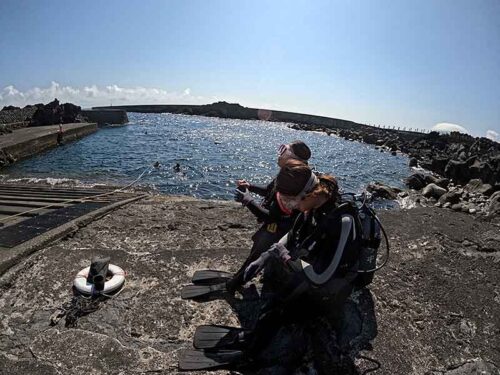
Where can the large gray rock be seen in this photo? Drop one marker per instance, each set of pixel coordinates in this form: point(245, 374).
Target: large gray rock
point(434, 191)
point(476, 186)
point(494, 205)
point(430, 179)
point(416, 181)
point(482, 170)
point(477, 366)
point(458, 171)
point(443, 182)
point(451, 197)
point(383, 191)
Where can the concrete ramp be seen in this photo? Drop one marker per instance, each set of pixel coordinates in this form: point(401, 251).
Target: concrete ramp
point(31, 216)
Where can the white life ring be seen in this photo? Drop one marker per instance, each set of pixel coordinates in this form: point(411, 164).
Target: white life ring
point(110, 286)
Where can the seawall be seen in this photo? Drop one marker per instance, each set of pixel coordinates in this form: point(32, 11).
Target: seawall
point(236, 111)
point(106, 116)
point(26, 142)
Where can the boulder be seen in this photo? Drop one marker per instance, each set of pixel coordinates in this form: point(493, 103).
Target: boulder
point(430, 179)
point(48, 115)
point(494, 205)
point(438, 164)
point(70, 113)
point(477, 186)
point(442, 182)
point(481, 170)
point(383, 191)
point(434, 191)
point(416, 181)
point(457, 170)
point(456, 207)
point(451, 197)
point(413, 162)
point(54, 113)
point(426, 163)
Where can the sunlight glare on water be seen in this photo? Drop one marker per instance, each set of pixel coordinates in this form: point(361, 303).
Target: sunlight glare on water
point(213, 153)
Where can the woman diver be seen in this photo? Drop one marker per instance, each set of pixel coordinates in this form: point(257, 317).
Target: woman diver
point(275, 218)
point(309, 272)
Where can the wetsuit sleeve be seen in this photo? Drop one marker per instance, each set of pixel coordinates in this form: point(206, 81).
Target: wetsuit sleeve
point(260, 212)
point(261, 190)
point(346, 236)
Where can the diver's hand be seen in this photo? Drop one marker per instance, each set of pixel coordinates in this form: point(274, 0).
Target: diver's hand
point(256, 266)
point(280, 251)
point(243, 184)
point(244, 197)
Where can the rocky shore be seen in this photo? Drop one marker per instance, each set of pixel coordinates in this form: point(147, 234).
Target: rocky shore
point(459, 172)
point(432, 310)
point(52, 113)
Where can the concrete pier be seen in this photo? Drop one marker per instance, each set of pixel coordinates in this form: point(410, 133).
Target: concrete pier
point(26, 142)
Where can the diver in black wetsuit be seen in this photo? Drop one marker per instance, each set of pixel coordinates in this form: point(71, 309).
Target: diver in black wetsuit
point(276, 219)
point(312, 268)
point(316, 263)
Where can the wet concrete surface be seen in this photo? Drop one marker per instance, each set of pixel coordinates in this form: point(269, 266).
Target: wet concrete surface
point(434, 309)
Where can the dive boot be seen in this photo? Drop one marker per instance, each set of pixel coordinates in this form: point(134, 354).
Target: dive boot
point(210, 277)
point(219, 337)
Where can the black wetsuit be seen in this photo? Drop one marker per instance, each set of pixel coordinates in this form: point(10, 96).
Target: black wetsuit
point(324, 248)
point(275, 224)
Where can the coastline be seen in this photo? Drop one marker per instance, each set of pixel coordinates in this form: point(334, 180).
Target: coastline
point(460, 172)
point(435, 302)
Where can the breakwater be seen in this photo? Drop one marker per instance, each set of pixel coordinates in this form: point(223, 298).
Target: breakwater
point(25, 142)
point(236, 111)
point(105, 116)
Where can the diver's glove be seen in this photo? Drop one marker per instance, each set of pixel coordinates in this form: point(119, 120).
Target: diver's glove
point(256, 266)
point(244, 197)
point(280, 251)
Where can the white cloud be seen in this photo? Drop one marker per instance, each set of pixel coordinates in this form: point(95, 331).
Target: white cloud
point(493, 135)
point(94, 95)
point(446, 127)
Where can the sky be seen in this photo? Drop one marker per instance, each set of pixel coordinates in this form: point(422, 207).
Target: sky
point(386, 62)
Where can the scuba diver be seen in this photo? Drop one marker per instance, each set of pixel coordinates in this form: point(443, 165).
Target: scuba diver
point(311, 271)
point(276, 220)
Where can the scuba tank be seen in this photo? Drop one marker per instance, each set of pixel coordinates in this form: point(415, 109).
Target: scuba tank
point(370, 234)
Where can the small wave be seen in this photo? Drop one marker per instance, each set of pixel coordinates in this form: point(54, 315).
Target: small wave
point(47, 181)
point(407, 203)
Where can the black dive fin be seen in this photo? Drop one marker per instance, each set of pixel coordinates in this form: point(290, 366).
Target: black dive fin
point(203, 292)
point(206, 360)
point(214, 336)
point(209, 277)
